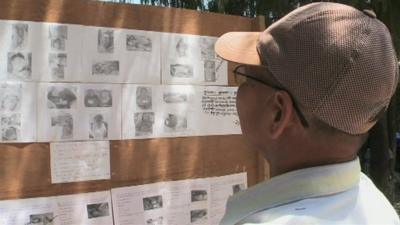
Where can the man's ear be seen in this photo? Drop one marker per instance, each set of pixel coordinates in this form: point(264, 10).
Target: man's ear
point(282, 113)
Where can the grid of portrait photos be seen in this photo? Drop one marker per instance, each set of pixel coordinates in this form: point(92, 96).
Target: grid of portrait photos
point(40, 53)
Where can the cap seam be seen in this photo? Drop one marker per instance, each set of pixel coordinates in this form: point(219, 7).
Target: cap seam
point(335, 85)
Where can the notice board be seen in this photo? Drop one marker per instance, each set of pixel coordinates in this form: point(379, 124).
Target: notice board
point(25, 168)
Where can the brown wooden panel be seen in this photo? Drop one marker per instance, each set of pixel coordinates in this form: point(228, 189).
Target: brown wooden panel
point(25, 168)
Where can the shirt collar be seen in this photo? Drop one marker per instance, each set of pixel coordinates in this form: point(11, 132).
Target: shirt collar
point(290, 187)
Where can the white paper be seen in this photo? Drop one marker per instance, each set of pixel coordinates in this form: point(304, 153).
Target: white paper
point(18, 112)
point(175, 202)
point(121, 56)
point(34, 51)
point(71, 111)
point(178, 110)
point(79, 161)
point(190, 59)
point(80, 209)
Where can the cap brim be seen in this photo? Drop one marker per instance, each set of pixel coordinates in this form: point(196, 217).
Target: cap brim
point(239, 47)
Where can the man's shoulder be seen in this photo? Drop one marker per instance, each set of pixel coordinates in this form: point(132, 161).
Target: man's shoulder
point(363, 204)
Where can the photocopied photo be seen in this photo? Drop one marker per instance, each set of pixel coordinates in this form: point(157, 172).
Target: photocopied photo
point(106, 68)
point(153, 202)
point(42, 219)
point(98, 97)
point(175, 97)
point(144, 98)
point(209, 71)
point(19, 65)
point(63, 124)
point(198, 195)
point(199, 215)
point(98, 126)
point(175, 122)
point(57, 65)
point(105, 41)
point(155, 221)
point(59, 97)
point(207, 48)
point(181, 71)
point(144, 122)
point(11, 127)
point(138, 43)
point(19, 36)
point(58, 35)
point(98, 210)
point(10, 97)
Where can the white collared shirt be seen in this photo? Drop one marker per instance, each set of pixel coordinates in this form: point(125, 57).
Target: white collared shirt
point(330, 194)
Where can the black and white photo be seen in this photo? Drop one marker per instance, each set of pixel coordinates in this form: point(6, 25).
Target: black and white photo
point(98, 126)
point(138, 43)
point(98, 97)
point(98, 210)
point(209, 71)
point(182, 47)
point(41, 219)
point(61, 97)
point(237, 187)
point(19, 36)
point(11, 120)
point(198, 195)
point(106, 68)
point(175, 97)
point(181, 70)
point(65, 124)
point(105, 40)
point(153, 202)
point(57, 65)
point(10, 133)
point(199, 215)
point(19, 65)
point(155, 221)
point(58, 34)
point(11, 102)
point(207, 48)
point(175, 122)
point(144, 98)
point(144, 122)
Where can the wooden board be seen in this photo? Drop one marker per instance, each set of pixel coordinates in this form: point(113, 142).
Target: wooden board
point(25, 168)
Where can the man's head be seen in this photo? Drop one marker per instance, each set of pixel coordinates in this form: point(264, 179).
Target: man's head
point(323, 73)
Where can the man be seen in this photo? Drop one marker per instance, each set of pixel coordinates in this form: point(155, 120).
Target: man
point(316, 81)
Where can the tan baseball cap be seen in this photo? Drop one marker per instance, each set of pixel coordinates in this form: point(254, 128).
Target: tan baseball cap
point(338, 62)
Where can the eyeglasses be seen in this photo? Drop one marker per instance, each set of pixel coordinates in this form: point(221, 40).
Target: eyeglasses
point(237, 71)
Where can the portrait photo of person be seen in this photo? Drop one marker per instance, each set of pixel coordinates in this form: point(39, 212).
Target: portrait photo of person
point(98, 126)
point(144, 122)
point(19, 65)
point(19, 36)
point(10, 102)
point(144, 99)
point(181, 47)
point(98, 210)
point(57, 64)
point(65, 122)
point(61, 97)
point(10, 133)
point(209, 71)
point(181, 70)
point(105, 68)
point(58, 34)
point(105, 42)
point(207, 48)
point(138, 43)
